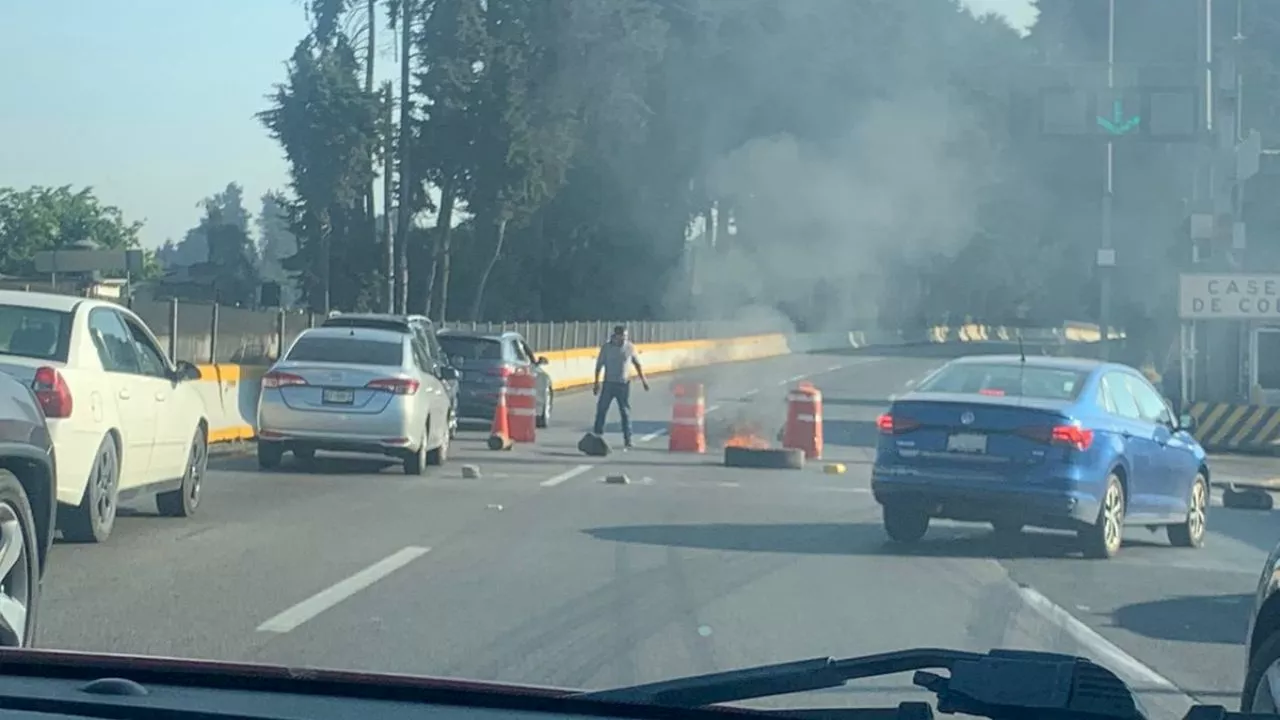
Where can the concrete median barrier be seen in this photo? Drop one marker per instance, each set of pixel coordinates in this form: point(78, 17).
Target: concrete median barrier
point(230, 391)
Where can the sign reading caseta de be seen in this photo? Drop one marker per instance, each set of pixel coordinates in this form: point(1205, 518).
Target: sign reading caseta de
point(1229, 297)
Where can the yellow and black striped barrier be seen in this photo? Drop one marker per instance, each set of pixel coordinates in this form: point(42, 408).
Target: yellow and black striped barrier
point(1227, 427)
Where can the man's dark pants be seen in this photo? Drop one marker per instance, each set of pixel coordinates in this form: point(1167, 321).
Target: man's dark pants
point(609, 392)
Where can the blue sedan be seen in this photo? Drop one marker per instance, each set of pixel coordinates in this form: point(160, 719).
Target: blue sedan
point(1061, 443)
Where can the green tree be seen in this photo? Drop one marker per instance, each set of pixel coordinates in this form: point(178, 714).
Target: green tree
point(42, 218)
point(326, 122)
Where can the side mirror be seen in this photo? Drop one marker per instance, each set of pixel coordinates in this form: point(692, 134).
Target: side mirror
point(1187, 421)
point(186, 371)
point(542, 360)
point(450, 373)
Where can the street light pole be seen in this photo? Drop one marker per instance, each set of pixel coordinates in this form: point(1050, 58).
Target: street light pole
point(1104, 272)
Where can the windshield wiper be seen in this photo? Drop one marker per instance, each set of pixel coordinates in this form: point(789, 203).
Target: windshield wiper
point(999, 684)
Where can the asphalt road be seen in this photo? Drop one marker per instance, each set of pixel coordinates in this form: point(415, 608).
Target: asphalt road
point(540, 572)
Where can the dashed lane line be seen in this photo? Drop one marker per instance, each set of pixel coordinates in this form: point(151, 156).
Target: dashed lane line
point(325, 599)
point(566, 475)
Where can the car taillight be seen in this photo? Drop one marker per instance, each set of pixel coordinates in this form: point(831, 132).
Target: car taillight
point(282, 379)
point(991, 392)
point(395, 386)
point(1070, 435)
point(502, 371)
point(52, 393)
point(1073, 435)
point(889, 425)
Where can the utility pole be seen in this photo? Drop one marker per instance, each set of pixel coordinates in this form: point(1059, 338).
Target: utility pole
point(1106, 252)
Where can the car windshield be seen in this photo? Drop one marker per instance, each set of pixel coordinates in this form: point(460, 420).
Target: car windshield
point(345, 351)
point(471, 349)
point(33, 332)
point(580, 343)
point(1006, 379)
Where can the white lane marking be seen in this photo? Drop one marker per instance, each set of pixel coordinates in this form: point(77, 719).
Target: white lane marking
point(750, 392)
point(834, 368)
point(858, 490)
point(730, 484)
point(566, 475)
point(334, 594)
point(653, 435)
point(1109, 653)
point(711, 409)
point(792, 379)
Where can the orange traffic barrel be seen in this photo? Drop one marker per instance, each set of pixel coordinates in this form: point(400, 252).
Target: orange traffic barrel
point(688, 432)
point(522, 387)
point(804, 421)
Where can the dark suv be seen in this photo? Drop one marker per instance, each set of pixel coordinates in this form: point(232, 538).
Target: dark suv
point(421, 327)
point(27, 481)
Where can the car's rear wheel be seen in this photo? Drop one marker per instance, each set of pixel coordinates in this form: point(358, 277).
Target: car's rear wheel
point(1102, 539)
point(440, 455)
point(1190, 533)
point(269, 455)
point(19, 565)
point(544, 417)
point(184, 501)
point(905, 524)
point(92, 520)
point(416, 462)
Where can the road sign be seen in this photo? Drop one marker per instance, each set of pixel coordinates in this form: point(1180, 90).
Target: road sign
point(1121, 114)
point(1229, 297)
point(84, 261)
point(1121, 121)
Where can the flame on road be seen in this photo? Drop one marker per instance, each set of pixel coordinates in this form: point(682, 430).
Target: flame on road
point(746, 435)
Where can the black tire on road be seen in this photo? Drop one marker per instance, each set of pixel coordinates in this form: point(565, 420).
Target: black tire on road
point(269, 455)
point(764, 459)
point(1190, 532)
point(1102, 539)
point(905, 524)
point(22, 581)
point(184, 501)
point(92, 520)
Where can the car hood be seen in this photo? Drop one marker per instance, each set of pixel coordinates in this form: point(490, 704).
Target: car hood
point(242, 676)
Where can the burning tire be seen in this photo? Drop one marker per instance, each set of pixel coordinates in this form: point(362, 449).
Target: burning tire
point(763, 458)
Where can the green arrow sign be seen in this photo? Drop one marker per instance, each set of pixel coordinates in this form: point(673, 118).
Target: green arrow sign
point(1118, 124)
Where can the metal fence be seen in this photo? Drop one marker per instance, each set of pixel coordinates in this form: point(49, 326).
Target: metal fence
point(204, 333)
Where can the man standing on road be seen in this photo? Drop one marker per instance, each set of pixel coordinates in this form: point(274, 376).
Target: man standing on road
point(616, 359)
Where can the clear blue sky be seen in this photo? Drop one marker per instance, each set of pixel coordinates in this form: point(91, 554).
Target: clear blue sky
point(152, 102)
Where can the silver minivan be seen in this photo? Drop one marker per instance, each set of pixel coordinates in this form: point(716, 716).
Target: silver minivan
point(356, 390)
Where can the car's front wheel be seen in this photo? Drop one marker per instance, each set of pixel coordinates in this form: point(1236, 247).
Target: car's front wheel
point(1190, 532)
point(19, 565)
point(1259, 695)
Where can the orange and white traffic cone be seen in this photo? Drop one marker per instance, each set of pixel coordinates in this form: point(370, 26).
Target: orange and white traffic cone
point(500, 432)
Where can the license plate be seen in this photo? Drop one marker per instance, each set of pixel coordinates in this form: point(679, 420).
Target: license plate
point(338, 397)
point(967, 443)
